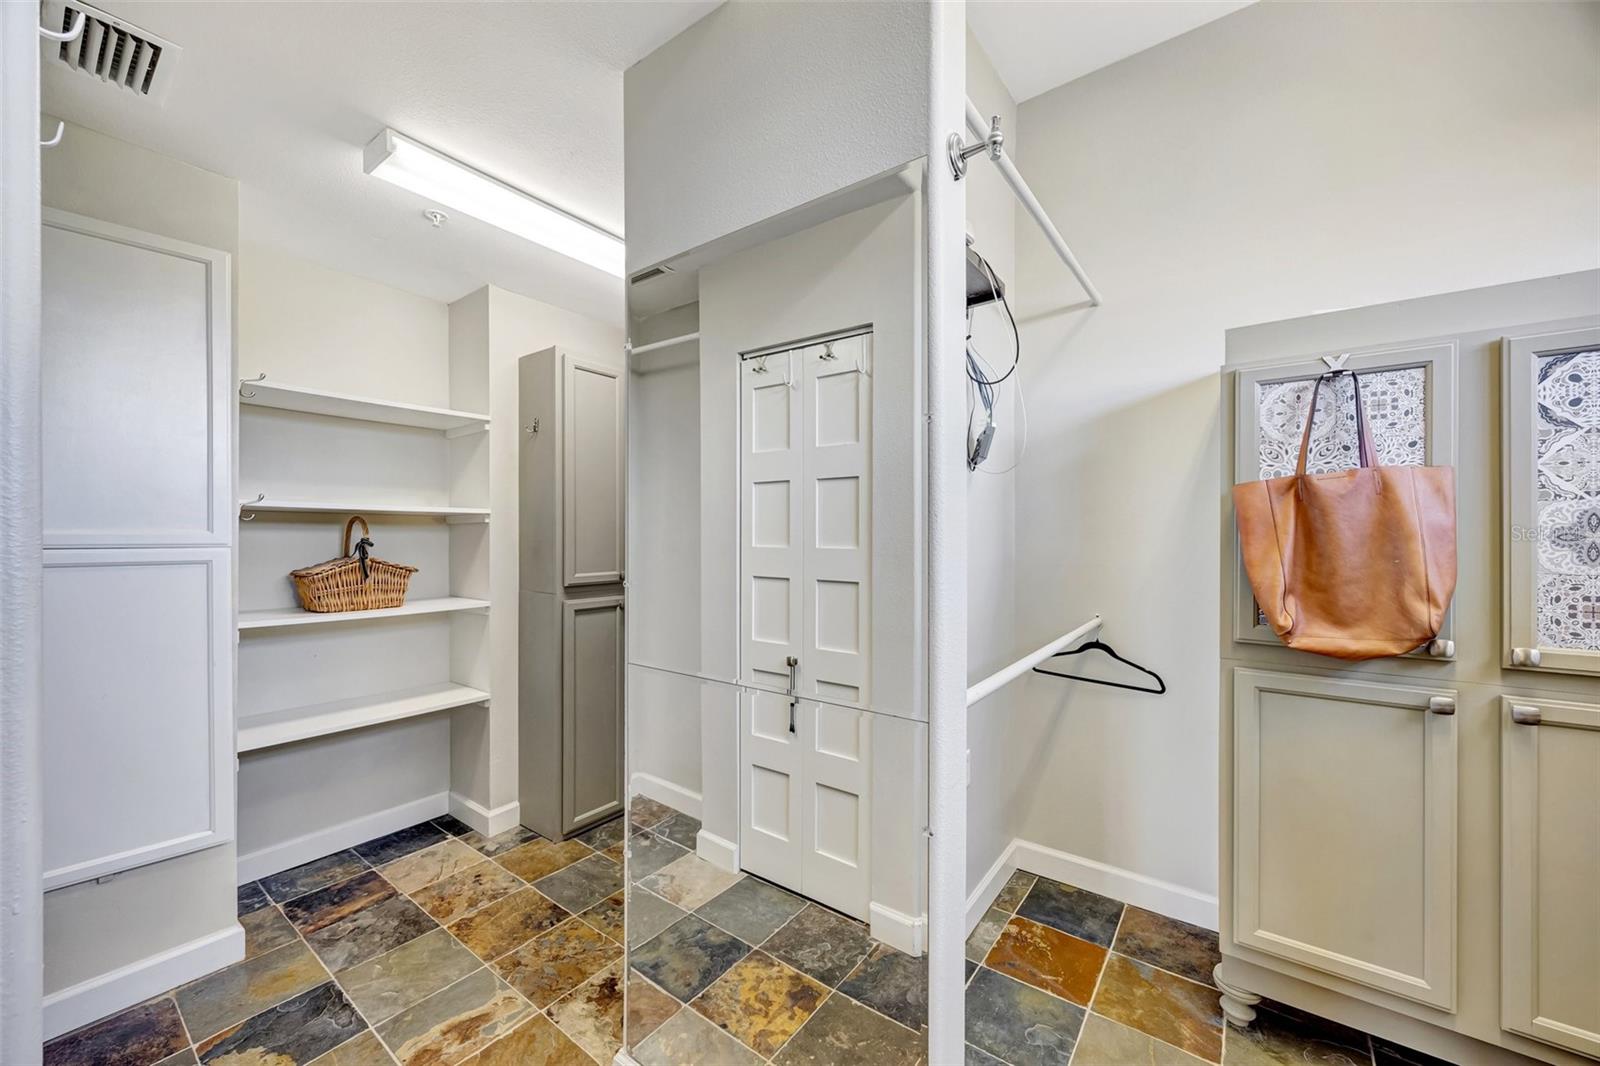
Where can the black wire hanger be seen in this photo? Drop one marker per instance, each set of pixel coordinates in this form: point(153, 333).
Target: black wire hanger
point(1100, 645)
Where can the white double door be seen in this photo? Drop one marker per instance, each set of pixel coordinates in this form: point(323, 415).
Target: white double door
point(805, 614)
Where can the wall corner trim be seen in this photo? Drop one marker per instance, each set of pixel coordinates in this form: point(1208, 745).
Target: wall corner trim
point(118, 989)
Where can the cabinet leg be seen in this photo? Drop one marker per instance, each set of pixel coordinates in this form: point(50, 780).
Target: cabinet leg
point(1238, 1005)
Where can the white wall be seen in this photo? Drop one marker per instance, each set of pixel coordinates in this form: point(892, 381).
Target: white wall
point(1286, 159)
point(759, 108)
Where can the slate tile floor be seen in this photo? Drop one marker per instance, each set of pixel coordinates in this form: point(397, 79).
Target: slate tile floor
point(1058, 975)
point(432, 945)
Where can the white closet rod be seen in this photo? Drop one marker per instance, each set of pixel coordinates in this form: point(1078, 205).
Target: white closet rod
point(1000, 678)
point(1008, 170)
point(668, 343)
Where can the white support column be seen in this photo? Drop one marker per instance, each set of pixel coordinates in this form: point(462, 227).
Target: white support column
point(21, 570)
point(947, 540)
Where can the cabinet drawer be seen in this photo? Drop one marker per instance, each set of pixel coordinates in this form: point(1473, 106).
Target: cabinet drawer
point(1345, 829)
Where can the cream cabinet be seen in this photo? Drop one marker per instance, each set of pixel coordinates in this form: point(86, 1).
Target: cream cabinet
point(1344, 797)
point(1550, 871)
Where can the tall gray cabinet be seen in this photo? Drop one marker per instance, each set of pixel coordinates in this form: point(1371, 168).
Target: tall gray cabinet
point(571, 528)
point(1411, 845)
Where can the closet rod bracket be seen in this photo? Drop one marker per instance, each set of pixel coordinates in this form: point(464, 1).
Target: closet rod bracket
point(994, 143)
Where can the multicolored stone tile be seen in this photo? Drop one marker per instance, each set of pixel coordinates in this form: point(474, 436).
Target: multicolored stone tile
point(369, 933)
point(648, 853)
point(582, 884)
point(252, 897)
point(384, 986)
point(462, 893)
point(648, 915)
point(189, 1058)
point(402, 842)
point(1281, 1036)
point(508, 923)
point(1047, 959)
point(319, 873)
point(605, 834)
point(245, 989)
point(1086, 915)
point(555, 962)
point(591, 1014)
point(423, 868)
point(453, 825)
point(139, 1036)
point(648, 1007)
point(363, 1050)
point(821, 944)
point(687, 957)
point(322, 908)
point(536, 1042)
point(688, 1038)
point(844, 1033)
point(454, 1023)
point(645, 812)
point(293, 1033)
point(1171, 1008)
point(682, 829)
point(1014, 892)
point(690, 881)
point(976, 1057)
point(500, 843)
point(540, 858)
point(761, 1002)
point(607, 916)
point(892, 983)
point(985, 933)
point(264, 930)
point(752, 909)
point(1184, 949)
point(1019, 1024)
point(1104, 1041)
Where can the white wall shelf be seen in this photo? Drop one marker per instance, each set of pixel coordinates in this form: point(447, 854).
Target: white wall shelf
point(340, 405)
point(282, 617)
point(324, 719)
point(463, 514)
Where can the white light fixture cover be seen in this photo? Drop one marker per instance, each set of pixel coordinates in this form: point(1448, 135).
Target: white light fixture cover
point(396, 158)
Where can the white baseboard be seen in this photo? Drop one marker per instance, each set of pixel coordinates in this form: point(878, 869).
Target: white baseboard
point(1153, 894)
point(136, 982)
point(900, 931)
point(721, 853)
point(663, 791)
point(489, 822)
point(291, 853)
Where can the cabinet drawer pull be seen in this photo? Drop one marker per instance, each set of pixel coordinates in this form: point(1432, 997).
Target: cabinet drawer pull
point(1442, 704)
point(1526, 715)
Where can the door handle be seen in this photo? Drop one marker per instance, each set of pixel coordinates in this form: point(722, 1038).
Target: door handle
point(794, 681)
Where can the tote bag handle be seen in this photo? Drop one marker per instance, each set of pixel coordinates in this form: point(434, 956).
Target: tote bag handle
point(1366, 454)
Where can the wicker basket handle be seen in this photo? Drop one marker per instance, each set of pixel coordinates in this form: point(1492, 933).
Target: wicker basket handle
point(348, 526)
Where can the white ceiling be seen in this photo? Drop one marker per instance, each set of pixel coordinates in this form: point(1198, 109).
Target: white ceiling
point(1036, 46)
point(283, 96)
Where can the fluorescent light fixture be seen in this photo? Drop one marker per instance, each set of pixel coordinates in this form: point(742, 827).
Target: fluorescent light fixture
point(398, 159)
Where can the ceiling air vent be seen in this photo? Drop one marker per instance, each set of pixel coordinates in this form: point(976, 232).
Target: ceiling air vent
point(650, 275)
point(117, 52)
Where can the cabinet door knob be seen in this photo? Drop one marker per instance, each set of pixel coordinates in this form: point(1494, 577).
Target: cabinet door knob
point(1439, 648)
point(1525, 656)
point(1525, 715)
point(1442, 704)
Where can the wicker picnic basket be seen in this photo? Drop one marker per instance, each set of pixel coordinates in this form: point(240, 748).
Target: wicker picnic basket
point(355, 581)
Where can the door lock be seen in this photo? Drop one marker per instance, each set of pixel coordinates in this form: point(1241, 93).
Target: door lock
point(794, 681)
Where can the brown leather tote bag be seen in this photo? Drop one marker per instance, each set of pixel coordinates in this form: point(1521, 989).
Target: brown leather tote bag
point(1357, 564)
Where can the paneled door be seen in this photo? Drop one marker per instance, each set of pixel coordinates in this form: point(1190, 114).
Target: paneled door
point(1344, 829)
point(593, 473)
point(591, 709)
point(139, 515)
point(1550, 871)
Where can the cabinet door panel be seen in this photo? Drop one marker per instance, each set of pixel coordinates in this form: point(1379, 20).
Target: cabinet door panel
point(592, 709)
point(1345, 829)
point(1550, 871)
point(593, 477)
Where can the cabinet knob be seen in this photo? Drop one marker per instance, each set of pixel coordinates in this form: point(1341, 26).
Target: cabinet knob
point(1525, 715)
point(1525, 656)
point(1442, 704)
point(1442, 649)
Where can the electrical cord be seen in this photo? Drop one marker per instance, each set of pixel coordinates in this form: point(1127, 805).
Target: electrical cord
point(983, 385)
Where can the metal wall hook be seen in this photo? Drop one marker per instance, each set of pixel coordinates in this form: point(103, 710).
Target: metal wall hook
point(61, 129)
point(827, 352)
point(1335, 362)
point(250, 381)
point(71, 34)
point(760, 367)
point(247, 515)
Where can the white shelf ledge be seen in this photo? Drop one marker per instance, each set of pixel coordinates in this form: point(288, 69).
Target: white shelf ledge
point(280, 503)
point(340, 405)
point(324, 719)
point(282, 617)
